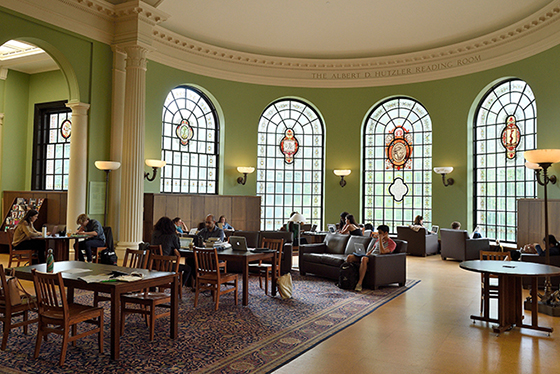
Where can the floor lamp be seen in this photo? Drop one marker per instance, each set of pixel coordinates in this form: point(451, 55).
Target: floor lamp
point(544, 158)
point(107, 167)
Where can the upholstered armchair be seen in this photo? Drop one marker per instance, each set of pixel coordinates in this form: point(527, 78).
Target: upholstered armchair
point(456, 244)
point(420, 243)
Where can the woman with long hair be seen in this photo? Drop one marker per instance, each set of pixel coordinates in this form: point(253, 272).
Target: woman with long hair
point(25, 232)
point(165, 234)
point(351, 226)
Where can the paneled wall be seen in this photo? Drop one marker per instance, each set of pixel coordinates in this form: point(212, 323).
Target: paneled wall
point(530, 220)
point(242, 212)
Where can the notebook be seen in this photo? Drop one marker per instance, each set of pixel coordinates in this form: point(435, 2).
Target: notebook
point(238, 243)
point(359, 249)
point(331, 227)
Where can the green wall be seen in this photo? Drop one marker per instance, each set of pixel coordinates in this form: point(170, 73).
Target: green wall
point(449, 102)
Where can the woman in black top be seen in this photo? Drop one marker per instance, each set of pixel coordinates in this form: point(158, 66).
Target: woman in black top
point(342, 222)
point(351, 227)
point(165, 234)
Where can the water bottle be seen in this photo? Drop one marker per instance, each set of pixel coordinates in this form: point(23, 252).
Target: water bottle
point(50, 261)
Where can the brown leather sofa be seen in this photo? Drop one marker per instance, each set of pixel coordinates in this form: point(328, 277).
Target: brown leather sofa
point(254, 239)
point(456, 244)
point(420, 243)
point(554, 261)
point(324, 260)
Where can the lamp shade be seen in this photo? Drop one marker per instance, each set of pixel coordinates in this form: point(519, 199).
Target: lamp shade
point(107, 165)
point(297, 218)
point(443, 170)
point(532, 165)
point(245, 169)
point(155, 163)
point(543, 156)
point(342, 173)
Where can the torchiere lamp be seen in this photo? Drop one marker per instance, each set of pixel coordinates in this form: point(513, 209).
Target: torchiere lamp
point(154, 164)
point(107, 167)
point(544, 158)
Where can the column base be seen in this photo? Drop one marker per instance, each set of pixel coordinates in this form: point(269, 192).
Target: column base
point(120, 248)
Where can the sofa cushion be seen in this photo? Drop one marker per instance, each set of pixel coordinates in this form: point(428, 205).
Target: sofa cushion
point(354, 239)
point(286, 235)
point(333, 260)
point(336, 243)
point(316, 258)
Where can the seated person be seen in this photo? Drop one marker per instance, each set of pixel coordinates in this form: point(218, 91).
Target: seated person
point(384, 244)
point(180, 226)
point(23, 234)
point(225, 225)
point(418, 224)
point(96, 237)
point(456, 225)
point(165, 234)
point(342, 222)
point(552, 247)
point(351, 227)
point(211, 230)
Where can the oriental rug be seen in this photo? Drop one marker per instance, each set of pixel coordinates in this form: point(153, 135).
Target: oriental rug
point(258, 338)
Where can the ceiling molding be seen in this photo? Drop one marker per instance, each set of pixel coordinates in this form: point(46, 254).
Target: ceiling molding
point(99, 20)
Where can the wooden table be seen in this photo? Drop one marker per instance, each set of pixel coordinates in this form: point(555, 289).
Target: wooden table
point(510, 299)
point(243, 257)
point(151, 279)
point(61, 248)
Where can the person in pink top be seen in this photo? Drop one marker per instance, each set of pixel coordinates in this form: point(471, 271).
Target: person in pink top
point(384, 244)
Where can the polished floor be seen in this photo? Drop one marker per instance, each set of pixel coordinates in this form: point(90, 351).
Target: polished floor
point(428, 330)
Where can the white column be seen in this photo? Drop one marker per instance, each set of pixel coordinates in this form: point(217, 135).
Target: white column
point(3, 76)
point(77, 175)
point(132, 169)
point(117, 118)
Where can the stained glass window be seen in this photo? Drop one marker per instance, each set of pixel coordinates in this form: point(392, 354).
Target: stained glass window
point(53, 130)
point(290, 163)
point(190, 146)
point(397, 164)
point(505, 126)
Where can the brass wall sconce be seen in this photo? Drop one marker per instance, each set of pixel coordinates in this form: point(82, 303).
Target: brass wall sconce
point(107, 167)
point(443, 171)
point(155, 165)
point(244, 170)
point(342, 174)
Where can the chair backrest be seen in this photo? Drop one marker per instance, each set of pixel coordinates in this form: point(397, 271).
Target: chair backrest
point(5, 300)
point(206, 261)
point(165, 263)
point(136, 258)
point(494, 256)
point(51, 295)
point(108, 232)
point(156, 249)
point(10, 234)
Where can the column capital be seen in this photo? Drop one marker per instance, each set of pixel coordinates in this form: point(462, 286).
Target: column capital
point(136, 56)
point(78, 108)
point(3, 73)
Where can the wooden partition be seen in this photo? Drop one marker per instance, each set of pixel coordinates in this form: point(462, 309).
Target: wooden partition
point(530, 220)
point(242, 212)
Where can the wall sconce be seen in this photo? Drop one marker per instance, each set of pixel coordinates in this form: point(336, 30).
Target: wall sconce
point(443, 171)
point(107, 167)
point(244, 170)
point(534, 166)
point(154, 164)
point(342, 174)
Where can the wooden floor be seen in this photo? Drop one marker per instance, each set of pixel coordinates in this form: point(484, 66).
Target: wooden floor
point(428, 330)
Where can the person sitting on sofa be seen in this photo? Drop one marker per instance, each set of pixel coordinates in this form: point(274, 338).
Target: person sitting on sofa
point(351, 227)
point(456, 225)
point(342, 222)
point(384, 244)
point(552, 247)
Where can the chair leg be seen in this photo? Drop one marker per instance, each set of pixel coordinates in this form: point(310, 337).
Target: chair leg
point(123, 316)
point(39, 339)
point(235, 292)
point(152, 321)
point(7, 327)
point(260, 280)
point(74, 333)
point(10, 262)
point(217, 297)
point(100, 335)
point(196, 295)
point(64, 345)
point(95, 299)
point(266, 284)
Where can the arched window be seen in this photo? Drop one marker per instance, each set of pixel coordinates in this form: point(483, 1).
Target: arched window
point(397, 163)
point(189, 145)
point(290, 163)
point(505, 126)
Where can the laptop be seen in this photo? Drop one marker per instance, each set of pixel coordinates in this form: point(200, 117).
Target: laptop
point(192, 232)
point(331, 227)
point(54, 231)
point(185, 242)
point(238, 243)
point(435, 229)
point(314, 228)
point(220, 225)
point(359, 249)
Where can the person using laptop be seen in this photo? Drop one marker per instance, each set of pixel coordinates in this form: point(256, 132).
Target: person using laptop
point(384, 244)
point(210, 230)
point(96, 237)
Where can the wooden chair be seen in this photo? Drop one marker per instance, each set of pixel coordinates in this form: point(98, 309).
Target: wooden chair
point(133, 258)
point(57, 315)
point(263, 269)
point(18, 256)
point(211, 275)
point(148, 299)
point(9, 311)
point(156, 249)
point(492, 287)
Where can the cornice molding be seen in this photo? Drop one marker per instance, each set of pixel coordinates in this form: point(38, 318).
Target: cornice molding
point(100, 20)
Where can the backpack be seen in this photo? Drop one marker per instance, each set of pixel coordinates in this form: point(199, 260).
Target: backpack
point(108, 257)
point(348, 276)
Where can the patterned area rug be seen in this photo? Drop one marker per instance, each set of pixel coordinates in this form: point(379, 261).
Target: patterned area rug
point(254, 339)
